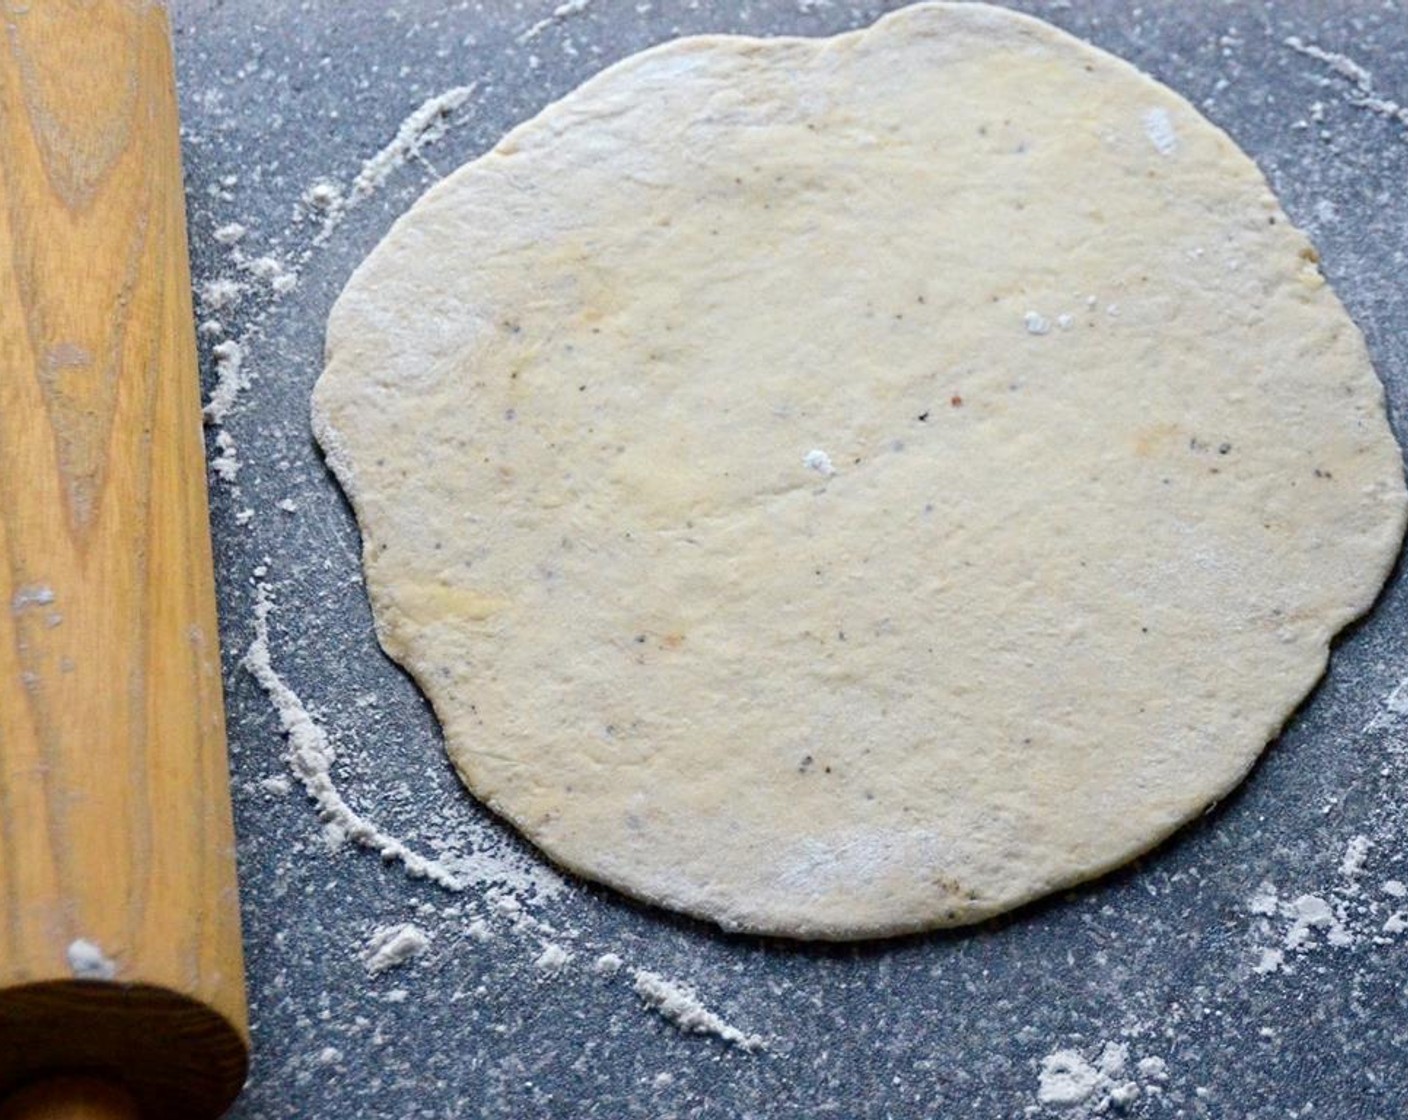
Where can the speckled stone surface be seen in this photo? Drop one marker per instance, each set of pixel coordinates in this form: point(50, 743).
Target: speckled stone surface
point(1253, 967)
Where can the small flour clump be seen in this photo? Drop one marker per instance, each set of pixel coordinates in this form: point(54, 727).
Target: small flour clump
point(391, 946)
point(88, 962)
point(229, 233)
point(819, 461)
point(227, 463)
point(230, 378)
point(680, 1005)
point(273, 272)
point(323, 195)
point(479, 931)
point(33, 595)
point(1069, 1080)
point(1355, 852)
point(220, 293)
point(1347, 915)
point(553, 959)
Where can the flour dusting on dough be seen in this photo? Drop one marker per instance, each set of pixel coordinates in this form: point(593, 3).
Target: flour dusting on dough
point(1158, 126)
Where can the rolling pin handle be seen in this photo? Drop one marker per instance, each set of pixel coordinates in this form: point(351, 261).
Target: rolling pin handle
point(71, 1098)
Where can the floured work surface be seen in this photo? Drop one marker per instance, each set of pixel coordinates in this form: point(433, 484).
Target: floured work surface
point(1256, 958)
point(839, 488)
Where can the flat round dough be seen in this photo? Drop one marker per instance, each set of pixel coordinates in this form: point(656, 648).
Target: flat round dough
point(843, 487)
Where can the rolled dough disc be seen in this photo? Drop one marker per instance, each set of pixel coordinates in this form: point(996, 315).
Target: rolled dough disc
point(843, 487)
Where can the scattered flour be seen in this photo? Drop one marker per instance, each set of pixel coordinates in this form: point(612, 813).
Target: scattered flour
point(323, 195)
point(560, 13)
point(423, 127)
point(1395, 709)
point(230, 379)
point(679, 1004)
point(479, 930)
point(1355, 852)
point(426, 124)
point(608, 964)
point(229, 233)
point(507, 879)
point(88, 962)
point(1364, 96)
point(1343, 917)
point(227, 463)
point(220, 293)
point(311, 756)
point(392, 946)
point(271, 270)
point(553, 959)
point(1070, 1082)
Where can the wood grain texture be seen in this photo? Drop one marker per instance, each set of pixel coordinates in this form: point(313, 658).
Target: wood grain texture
point(116, 844)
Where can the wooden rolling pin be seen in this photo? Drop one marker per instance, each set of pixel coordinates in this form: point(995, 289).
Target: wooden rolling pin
point(121, 981)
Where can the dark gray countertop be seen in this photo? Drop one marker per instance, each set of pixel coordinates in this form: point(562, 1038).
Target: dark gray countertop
point(1161, 960)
